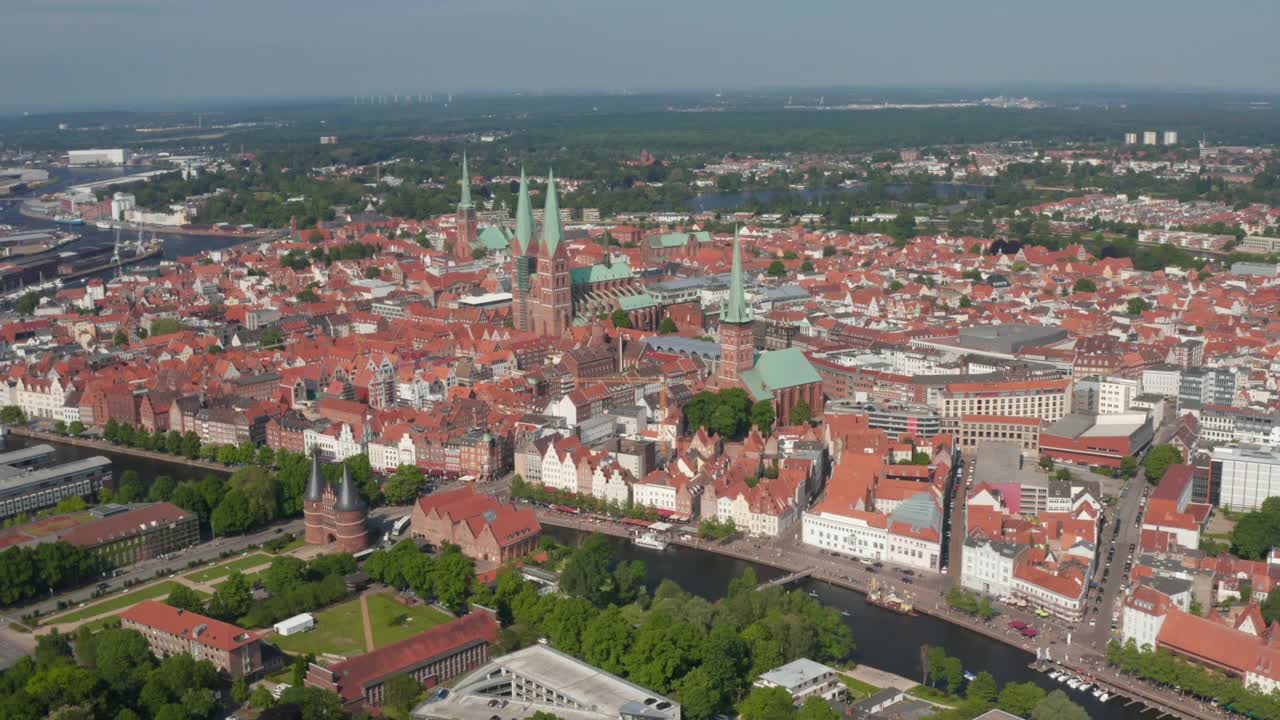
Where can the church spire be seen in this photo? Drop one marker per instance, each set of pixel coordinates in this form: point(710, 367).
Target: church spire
point(736, 310)
point(465, 201)
point(552, 232)
point(524, 216)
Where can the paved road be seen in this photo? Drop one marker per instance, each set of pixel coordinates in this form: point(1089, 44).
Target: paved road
point(1114, 556)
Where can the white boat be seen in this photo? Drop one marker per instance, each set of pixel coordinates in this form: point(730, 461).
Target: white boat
point(1104, 696)
point(102, 225)
point(1084, 687)
point(1053, 675)
point(1073, 683)
point(652, 540)
point(844, 613)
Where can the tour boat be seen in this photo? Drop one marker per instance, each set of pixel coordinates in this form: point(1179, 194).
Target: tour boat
point(652, 540)
point(68, 220)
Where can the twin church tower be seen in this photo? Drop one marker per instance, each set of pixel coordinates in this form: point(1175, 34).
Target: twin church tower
point(541, 282)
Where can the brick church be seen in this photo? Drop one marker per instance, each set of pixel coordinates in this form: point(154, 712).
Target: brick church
point(548, 293)
point(335, 517)
point(786, 377)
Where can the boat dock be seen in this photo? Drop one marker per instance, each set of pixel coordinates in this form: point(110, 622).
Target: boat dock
point(1117, 686)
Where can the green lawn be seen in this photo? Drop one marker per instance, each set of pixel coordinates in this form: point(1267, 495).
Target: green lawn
point(857, 688)
point(935, 695)
point(339, 630)
point(392, 621)
point(216, 572)
point(292, 545)
point(119, 602)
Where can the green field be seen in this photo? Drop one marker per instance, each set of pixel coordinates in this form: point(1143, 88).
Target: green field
point(291, 545)
point(857, 688)
point(392, 621)
point(217, 572)
point(119, 602)
point(339, 630)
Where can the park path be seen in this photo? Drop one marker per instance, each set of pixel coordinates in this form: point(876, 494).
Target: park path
point(368, 624)
point(209, 588)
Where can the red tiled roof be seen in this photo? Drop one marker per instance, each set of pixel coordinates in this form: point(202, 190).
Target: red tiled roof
point(215, 633)
point(362, 671)
point(1206, 640)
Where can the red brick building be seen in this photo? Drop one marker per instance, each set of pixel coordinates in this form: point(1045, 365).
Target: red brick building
point(170, 631)
point(431, 657)
point(1097, 440)
point(339, 518)
point(484, 528)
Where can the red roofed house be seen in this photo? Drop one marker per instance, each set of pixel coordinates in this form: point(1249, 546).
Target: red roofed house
point(170, 631)
point(430, 657)
point(484, 528)
point(1170, 508)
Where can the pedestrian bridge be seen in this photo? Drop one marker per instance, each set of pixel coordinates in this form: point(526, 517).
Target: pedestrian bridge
point(786, 580)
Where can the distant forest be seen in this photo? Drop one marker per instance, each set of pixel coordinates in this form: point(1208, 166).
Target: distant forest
point(750, 124)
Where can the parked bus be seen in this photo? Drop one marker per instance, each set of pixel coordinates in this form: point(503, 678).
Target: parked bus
point(400, 525)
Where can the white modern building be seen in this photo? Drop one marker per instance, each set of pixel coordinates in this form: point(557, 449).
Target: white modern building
point(1245, 476)
point(804, 679)
point(1115, 395)
point(83, 158)
point(539, 679)
point(1164, 381)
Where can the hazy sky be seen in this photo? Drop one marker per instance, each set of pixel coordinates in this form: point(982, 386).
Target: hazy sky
point(87, 53)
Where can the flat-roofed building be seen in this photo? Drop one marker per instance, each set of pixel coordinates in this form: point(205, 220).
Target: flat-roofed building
point(541, 679)
point(1244, 476)
point(1046, 399)
point(974, 430)
point(1097, 439)
point(25, 491)
point(172, 631)
point(804, 678)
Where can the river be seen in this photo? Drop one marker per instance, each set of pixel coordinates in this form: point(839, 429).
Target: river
point(885, 640)
point(175, 244)
point(715, 201)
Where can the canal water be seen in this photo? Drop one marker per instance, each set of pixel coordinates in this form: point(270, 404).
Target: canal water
point(147, 468)
point(885, 640)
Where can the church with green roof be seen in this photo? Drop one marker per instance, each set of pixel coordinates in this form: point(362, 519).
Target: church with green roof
point(784, 377)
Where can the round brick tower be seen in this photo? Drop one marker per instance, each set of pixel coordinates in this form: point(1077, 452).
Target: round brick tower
point(313, 510)
point(350, 516)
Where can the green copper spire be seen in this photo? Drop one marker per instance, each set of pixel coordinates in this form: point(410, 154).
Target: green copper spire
point(524, 216)
point(736, 310)
point(552, 232)
point(465, 202)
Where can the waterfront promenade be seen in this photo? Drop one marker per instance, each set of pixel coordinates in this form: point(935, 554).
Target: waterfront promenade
point(927, 594)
